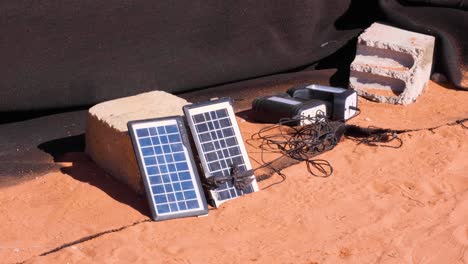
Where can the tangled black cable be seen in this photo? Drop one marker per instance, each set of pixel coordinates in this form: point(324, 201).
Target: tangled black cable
point(300, 143)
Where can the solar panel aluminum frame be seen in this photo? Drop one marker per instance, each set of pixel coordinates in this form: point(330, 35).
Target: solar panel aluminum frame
point(213, 105)
point(179, 121)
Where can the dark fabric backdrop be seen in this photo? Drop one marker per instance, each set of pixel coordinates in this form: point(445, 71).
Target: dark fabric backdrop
point(61, 54)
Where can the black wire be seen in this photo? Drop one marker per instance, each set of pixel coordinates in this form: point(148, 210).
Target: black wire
point(460, 122)
point(300, 143)
point(381, 137)
point(374, 136)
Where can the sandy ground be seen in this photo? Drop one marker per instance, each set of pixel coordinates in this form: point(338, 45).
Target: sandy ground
point(381, 205)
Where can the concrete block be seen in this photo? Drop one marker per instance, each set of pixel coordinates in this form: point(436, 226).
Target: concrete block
point(391, 65)
point(107, 140)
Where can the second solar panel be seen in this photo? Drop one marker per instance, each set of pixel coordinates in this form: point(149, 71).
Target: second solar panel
point(220, 146)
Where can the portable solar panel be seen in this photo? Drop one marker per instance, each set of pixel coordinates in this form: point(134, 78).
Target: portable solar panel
point(220, 146)
point(167, 168)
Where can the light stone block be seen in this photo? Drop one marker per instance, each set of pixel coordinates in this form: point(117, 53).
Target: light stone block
point(391, 65)
point(107, 140)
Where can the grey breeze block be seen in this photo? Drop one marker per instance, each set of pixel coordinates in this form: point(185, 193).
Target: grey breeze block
point(391, 65)
point(107, 140)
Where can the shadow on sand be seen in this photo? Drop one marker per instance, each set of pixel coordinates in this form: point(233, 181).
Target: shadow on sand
point(82, 168)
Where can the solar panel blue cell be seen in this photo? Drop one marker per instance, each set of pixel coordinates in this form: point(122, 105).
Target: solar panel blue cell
point(163, 168)
point(176, 186)
point(225, 122)
point(184, 176)
point(216, 144)
point(155, 140)
point(202, 128)
point(231, 141)
point(214, 166)
point(161, 130)
point(174, 177)
point(228, 132)
point(155, 180)
point(171, 129)
point(158, 189)
point(160, 198)
point(158, 150)
point(173, 207)
point(198, 118)
point(147, 151)
point(169, 157)
point(163, 208)
point(234, 151)
point(171, 197)
point(168, 187)
point(210, 125)
point(207, 147)
point(192, 204)
point(166, 178)
point(177, 147)
point(189, 195)
point(150, 161)
point(171, 167)
point(174, 138)
point(180, 196)
point(186, 185)
point(221, 113)
point(167, 168)
point(144, 142)
point(142, 132)
point(178, 156)
point(160, 159)
point(211, 156)
point(204, 137)
point(152, 170)
point(182, 205)
point(181, 166)
point(164, 139)
point(166, 149)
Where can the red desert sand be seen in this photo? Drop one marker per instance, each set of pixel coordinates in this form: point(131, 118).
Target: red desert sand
point(381, 205)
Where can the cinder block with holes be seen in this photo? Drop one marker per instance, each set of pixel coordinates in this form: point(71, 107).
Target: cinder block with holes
point(391, 65)
point(107, 139)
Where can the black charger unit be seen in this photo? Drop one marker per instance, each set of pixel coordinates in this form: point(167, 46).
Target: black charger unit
point(271, 109)
point(344, 101)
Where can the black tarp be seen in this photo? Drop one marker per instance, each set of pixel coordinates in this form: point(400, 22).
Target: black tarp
point(59, 54)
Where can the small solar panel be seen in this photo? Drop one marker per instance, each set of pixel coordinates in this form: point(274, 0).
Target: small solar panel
point(220, 146)
point(167, 167)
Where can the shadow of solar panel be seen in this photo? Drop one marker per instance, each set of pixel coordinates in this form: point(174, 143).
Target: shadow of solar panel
point(220, 146)
point(167, 168)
